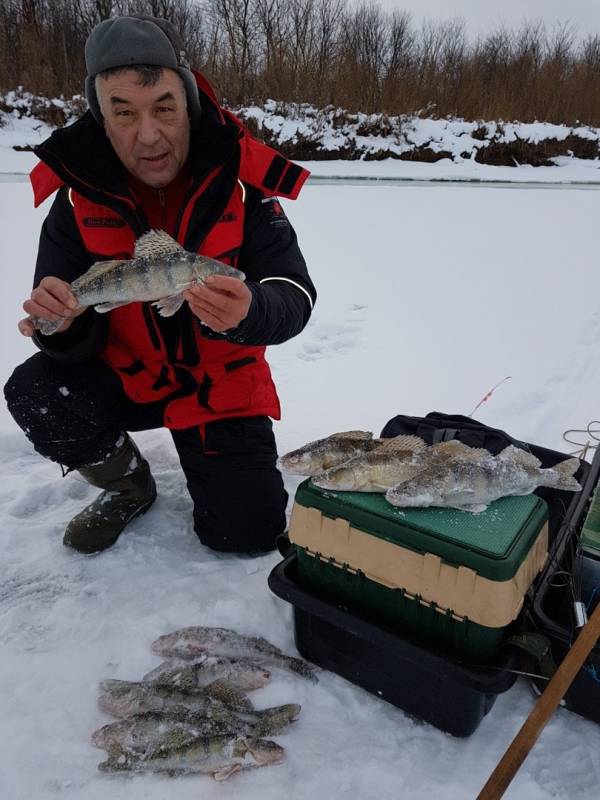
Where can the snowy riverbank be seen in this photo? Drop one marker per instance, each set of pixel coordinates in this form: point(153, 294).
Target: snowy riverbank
point(333, 143)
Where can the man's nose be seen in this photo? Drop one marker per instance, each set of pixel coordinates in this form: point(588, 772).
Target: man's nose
point(148, 130)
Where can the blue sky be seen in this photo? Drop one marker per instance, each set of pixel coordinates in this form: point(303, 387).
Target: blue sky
point(483, 15)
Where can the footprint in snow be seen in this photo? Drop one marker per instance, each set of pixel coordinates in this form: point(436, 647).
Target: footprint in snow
point(328, 342)
point(355, 318)
point(27, 587)
point(47, 495)
point(589, 332)
point(331, 340)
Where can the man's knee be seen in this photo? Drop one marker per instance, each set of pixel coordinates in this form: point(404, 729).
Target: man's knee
point(240, 540)
point(16, 384)
point(18, 388)
point(244, 521)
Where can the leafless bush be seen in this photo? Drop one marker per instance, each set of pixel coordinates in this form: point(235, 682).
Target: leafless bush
point(326, 52)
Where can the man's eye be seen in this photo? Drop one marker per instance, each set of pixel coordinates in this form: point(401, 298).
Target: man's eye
point(123, 113)
point(164, 109)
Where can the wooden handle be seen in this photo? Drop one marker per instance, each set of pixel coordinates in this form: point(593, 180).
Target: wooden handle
point(564, 676)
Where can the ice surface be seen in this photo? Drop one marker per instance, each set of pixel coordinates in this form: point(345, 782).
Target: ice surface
point(428, 296)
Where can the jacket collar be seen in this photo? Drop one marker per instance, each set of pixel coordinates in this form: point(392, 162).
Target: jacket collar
point(83, 158)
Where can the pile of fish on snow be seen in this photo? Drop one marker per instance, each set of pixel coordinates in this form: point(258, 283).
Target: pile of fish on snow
point(191, 714)
point(413, 474)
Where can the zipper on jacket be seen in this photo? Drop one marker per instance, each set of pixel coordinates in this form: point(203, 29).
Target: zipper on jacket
point(152, 327)
point(162, 202)
point(190, 193)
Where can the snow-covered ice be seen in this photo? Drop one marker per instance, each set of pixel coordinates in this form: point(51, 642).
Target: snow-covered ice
point(428, 296)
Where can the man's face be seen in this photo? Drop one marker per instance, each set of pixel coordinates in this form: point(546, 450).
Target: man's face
point(148, 126)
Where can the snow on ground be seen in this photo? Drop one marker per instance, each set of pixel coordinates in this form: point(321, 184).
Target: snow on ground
point(428, 296)
point(20, 132)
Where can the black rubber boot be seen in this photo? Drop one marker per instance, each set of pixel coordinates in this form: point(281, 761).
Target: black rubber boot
point(129, 490)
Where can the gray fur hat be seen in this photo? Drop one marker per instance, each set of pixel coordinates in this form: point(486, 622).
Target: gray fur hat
point(129, 41)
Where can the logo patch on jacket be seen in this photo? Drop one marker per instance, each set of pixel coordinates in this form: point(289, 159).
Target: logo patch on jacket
point(230, 216)
point(103, 222)
point(275, 212)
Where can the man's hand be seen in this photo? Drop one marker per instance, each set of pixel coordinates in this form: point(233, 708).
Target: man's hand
point(51, 299)
point(222, 303)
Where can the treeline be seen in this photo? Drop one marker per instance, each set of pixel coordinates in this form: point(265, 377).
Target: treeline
point(326, 52)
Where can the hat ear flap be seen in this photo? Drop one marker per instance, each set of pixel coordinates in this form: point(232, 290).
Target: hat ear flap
point(92, 99)
point(193, 98)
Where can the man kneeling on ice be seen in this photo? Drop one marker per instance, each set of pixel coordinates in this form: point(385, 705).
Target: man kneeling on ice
point(156, 152)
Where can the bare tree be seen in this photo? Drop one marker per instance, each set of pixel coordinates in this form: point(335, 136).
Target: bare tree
point(325, 52)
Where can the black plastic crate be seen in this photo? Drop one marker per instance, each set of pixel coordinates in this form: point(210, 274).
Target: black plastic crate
point(450, 696)
point(552, 602)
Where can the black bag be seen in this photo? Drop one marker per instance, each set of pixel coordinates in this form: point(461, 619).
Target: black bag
point(437, 427)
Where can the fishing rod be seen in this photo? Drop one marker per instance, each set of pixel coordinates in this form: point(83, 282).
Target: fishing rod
point(531, 729)
point(488, 394)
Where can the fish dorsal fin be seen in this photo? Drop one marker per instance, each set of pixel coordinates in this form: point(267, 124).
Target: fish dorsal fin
point(362, 435)
point(402, 442)
point(98, 268)
point(457, 449)
point(472, 454)
point(156, 244)
point(522, 457)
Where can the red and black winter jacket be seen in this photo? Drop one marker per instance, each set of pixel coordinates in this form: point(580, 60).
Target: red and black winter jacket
point(226, 209)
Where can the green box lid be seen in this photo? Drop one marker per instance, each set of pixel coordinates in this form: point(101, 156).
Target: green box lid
point(494, 542)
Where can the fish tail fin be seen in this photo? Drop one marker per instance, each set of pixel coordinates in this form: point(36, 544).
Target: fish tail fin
point(300, 667)
point(276, 719)
point(46, 326)
point(119, 760)
point(561, 475)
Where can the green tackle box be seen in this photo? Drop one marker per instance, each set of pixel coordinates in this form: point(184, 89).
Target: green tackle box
point(590, 533)
point(452, 580)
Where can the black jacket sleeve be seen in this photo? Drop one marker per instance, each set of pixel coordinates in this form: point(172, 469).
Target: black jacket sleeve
point(283, 294)
point(62, 254)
